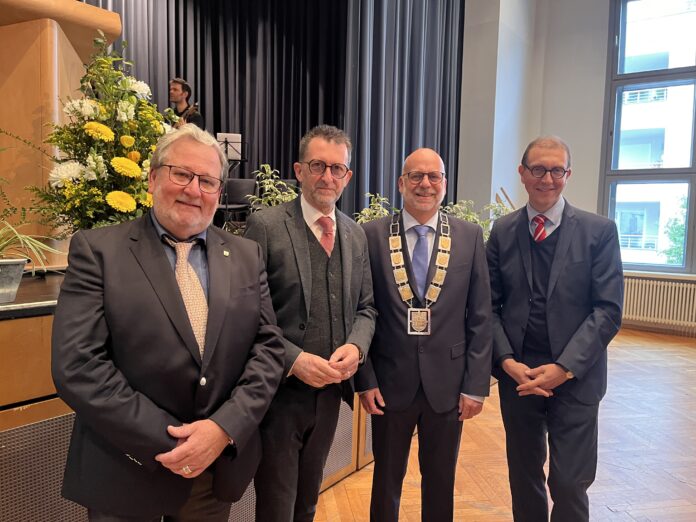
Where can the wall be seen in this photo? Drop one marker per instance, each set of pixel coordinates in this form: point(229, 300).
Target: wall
point(550, 65)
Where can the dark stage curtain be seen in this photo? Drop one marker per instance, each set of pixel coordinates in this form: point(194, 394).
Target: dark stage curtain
point(386, 71)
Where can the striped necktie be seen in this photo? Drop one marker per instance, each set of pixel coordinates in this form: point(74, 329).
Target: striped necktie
point(539, 229)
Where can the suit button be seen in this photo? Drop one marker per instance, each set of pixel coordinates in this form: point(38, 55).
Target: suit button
point(203, 381)
point(420, 350)
point(302, 326)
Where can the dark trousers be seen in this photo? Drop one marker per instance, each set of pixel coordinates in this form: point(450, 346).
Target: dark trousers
point(297, 433)
point(201, 506)
point(571, 428)
point(438, 446)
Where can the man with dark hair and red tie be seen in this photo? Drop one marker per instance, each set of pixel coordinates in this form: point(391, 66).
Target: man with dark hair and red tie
point(320, 283)
point(557, 292)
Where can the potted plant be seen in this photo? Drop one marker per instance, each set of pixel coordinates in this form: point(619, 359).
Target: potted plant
point(16, 248)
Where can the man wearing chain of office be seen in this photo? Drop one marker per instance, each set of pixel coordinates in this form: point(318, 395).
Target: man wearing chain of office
point(429, 361)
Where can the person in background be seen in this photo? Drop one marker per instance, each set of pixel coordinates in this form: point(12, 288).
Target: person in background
point(180, 95)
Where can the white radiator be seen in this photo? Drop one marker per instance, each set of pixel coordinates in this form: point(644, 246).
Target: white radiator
point(661, 304)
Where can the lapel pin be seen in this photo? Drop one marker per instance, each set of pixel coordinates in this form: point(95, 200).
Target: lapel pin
point(226, 253)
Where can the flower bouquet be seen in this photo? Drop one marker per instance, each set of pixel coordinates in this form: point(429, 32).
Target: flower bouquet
point(100, 174)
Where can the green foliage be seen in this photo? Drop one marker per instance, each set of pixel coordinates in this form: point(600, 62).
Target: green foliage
point(14, 243)
point(272, 190)
point(675, 229)
point(464, 209)
point(113, 119)
point(378, 207)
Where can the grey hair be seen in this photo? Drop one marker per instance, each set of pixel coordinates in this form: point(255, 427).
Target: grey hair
point(191, 132)
point(546, 142)
point(328, 133)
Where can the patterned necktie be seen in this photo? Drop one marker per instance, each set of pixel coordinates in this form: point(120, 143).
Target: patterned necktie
point(327, 234)
point(191, 291)
point(420, 258)
point(539, 229)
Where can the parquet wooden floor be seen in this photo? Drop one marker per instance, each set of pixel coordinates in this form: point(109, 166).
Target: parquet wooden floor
point(647, 447)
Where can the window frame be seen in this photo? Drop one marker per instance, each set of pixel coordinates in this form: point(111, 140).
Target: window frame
point(609, 177)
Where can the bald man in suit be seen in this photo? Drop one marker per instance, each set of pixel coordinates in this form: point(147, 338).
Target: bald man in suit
point(429, 362)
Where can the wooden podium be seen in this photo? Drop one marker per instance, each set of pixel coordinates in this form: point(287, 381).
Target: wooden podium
point(43, 46)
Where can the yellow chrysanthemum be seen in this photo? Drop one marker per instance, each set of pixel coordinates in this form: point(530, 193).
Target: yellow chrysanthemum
point(120, 201)
point(125, 167)
point(98, 131)
point(127, 141)
point(153, 147)
point(134, 155)
point(147, 202)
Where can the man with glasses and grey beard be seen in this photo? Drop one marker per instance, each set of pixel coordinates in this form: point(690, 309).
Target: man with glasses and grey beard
point(319, 278)
point(557, 290)
point(165, 344)
point(430, 359)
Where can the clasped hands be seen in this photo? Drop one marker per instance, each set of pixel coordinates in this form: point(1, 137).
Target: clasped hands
point(198, 445)
point(535, 381)
point(318, 372)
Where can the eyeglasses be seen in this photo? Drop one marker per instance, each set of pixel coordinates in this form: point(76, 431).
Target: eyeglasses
point(183, 177)
point(318, 167)
point(416, 177)
point(539, 171)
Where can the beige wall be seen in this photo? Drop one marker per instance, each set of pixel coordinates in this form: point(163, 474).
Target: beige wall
point(549, 61)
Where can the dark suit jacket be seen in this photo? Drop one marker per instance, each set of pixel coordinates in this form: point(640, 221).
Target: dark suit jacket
point(282, 233)
point(583, 302)
point(455, 357)
point(126, 360)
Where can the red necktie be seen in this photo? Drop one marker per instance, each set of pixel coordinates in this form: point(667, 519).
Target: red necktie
point(327, 234)
point(539, 229)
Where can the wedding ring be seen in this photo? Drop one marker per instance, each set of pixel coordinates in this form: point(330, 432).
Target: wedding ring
point(186, 470)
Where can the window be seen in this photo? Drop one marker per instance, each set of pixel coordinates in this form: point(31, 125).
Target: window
point(648, 160)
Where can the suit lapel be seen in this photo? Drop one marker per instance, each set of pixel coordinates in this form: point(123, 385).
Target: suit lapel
point(297, 230)
point(148, 251)
point(523, 234)
point(220, 274)
point(345, 239)
point(566, 232)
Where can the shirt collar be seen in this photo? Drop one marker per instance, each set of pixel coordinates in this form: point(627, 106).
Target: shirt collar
point(311, 214)
point(554, 214)
point(161, 231)
point(410, 221)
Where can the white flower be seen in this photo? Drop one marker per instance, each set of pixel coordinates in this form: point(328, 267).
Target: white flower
point(125, 111)
point(141, 89)
point(68, 171)
point(95, 166)
point(85, 109)
point(146, 169)
point(167, 128)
